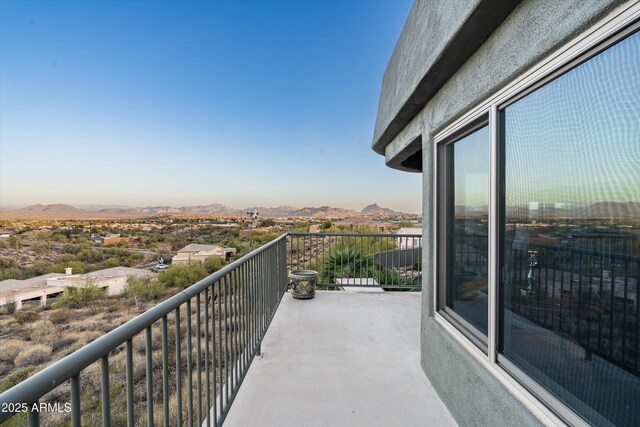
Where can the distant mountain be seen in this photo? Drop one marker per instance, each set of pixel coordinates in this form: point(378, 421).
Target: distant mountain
point(374, 209)
point(324, 211)
point(277, 211)
point(55, 208)
point(628, 210)
point(63, 211)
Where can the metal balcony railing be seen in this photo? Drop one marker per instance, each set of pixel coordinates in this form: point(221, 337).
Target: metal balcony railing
point(182, 362)
point(389, 261)
point(200, 342)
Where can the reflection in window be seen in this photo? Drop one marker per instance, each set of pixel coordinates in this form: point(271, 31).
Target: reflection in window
point(571, 236)
point(467, 203)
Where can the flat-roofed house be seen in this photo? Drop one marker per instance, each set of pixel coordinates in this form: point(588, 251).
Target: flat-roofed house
point(195, 252)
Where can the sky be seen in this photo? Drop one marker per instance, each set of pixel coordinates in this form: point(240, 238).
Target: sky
point(590, 116)
point(242, 103)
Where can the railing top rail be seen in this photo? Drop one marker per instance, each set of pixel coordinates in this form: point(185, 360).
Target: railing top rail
point(49, 378)
point(297, 233)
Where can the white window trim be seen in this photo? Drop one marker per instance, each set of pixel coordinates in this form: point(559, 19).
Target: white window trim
point(599, 33)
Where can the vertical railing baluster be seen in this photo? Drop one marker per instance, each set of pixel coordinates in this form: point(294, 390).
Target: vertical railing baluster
point(129, 382)
point(206, 358)
point(189, 364)
point(612, 275)
point(245, 318)
point(226, 341)
point(637, 359)
point(149, 367)
point(198, 360)
point(220, 349)
point(228, 330)
point(106, 405)
point(624, 309)
point(165, 373)
point(236, 325)
point(33, 417)
point(75, 401)
point(213, 410)
point(178, 368)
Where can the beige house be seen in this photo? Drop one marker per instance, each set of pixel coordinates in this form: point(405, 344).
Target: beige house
point(197, 252)
point(39, 291)
point(114, 280)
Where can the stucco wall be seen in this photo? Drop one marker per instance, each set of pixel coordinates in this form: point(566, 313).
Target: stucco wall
point(532, 31)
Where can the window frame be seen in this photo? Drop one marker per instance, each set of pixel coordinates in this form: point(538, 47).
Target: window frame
point(444, 168)
point(621, 23)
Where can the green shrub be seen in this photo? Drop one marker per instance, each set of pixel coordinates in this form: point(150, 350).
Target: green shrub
point(347, 262)
point(10, 273)
point(82, 296)
point(15, 377)
point(77, 266)
point(145, 287)
point(111, 262)
point(182, 275)
point(213, 264)
point(7, 263)
point(26, 316)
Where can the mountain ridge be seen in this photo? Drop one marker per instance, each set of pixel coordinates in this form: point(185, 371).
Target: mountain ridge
point(66, 211)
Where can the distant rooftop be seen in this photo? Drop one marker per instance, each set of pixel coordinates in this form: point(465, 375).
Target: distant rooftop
point(408, 230)
point(195, 247)
point(104, 274)
point(14, 284)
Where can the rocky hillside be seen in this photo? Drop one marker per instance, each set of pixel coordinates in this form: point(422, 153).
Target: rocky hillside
point(374, 209)
point(324, 211)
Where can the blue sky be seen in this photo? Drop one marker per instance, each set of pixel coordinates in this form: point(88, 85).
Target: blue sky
point(180, 103)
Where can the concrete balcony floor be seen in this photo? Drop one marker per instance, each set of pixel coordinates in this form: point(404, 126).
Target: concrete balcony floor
point(341, 359)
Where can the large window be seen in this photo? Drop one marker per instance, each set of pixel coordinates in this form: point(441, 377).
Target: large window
point(465, 227)
point(571, 236)
point(566, 240)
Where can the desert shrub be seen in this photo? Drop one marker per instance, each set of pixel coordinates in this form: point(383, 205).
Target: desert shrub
point(89, 256)
point(182, 275)
point(145, 287)
point(61, 316)
point(213, 264)
point(42, 330)
point(70, 248)
point(10, 349)
point(65, 340)
point(10, 304)
point(7, 263)
point(77, 266)
point(39, 268)
point(15, 377)
point(26, 316)
point(10, 273)
point(40, 247)
point(77, 297)
point(111, 262)
point(33, 355)
point(7, 323)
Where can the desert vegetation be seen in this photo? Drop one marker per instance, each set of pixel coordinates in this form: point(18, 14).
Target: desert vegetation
point(30, 343)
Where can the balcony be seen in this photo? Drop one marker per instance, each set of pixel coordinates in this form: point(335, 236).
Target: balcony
point(341, 359)
point(344, 356)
